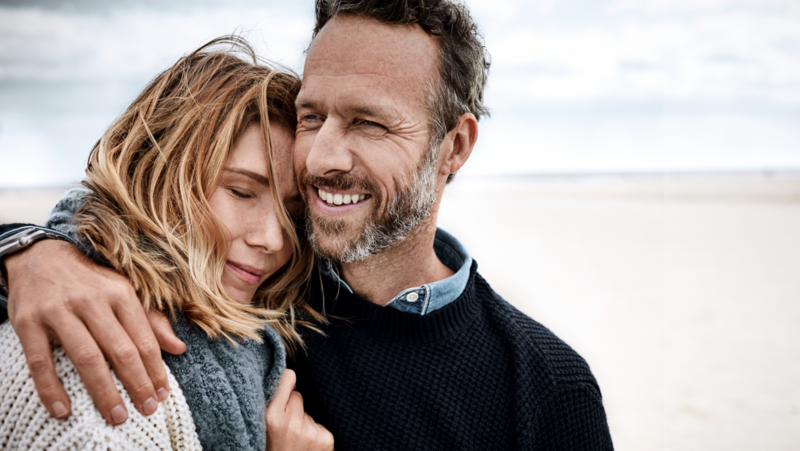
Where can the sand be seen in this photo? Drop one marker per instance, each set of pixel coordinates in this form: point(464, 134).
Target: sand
point(682, 292)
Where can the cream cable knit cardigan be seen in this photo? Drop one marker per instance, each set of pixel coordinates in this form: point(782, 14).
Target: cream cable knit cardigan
point(26, 425)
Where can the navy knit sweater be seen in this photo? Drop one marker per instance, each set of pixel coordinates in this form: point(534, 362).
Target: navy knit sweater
point(476, 374)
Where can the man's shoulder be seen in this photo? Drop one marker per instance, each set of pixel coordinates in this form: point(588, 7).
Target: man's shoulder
point(535, 347)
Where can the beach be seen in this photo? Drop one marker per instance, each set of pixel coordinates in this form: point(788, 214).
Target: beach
point(681, 291)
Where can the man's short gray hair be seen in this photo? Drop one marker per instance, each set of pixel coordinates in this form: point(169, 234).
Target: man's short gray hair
point(463, 59)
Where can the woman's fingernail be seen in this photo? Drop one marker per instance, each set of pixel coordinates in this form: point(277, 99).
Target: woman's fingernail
point(149, 407)
point(162, 394)
point(119, 414)
point(60, 410)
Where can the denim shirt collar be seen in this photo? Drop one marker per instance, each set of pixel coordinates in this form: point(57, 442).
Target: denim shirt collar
point(432, 296)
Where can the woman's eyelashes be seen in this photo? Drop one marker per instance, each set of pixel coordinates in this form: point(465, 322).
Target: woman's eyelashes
point(241, 194)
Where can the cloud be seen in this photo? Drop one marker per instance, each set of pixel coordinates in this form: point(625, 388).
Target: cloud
point(716, 57)
point(67, 72)
point(655, 7)
point(51, 44)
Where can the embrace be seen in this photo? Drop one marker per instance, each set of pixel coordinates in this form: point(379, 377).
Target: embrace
point(253, 263)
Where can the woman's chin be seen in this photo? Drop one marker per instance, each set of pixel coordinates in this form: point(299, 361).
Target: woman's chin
point(236, 288)
point(242, 294)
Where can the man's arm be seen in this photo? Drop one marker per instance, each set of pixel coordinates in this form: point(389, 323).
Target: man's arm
point(572, 418)
point(5, 230)
point(57, 296)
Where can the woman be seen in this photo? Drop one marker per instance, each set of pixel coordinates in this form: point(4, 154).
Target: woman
point(187, 199)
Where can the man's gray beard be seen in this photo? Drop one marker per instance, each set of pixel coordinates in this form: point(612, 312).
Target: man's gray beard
point(408, 209)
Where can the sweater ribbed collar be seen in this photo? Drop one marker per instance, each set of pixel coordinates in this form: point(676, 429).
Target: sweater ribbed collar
point(346, 309)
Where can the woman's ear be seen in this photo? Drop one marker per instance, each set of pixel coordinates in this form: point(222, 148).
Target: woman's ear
point(457, 145)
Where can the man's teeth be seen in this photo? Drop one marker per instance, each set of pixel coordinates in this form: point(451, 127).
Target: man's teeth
point(338, 199)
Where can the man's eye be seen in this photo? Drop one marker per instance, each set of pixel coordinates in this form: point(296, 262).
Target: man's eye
point(310, 118)
point(372, 124)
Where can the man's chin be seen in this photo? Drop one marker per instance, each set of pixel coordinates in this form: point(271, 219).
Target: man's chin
point(333, 239)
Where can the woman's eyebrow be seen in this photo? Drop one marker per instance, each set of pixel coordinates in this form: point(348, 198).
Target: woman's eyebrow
point(253, 175)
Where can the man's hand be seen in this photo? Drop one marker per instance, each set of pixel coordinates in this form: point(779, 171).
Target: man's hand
point(58, 297)
point(289, 427)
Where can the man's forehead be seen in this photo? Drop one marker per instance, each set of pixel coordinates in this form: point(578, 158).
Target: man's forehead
point(351, 45)
point(364, 67)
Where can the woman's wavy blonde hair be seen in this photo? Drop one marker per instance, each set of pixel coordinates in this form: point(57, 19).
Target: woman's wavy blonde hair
point(151, 175)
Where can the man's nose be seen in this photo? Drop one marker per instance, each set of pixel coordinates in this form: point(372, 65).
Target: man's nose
point(330, 153)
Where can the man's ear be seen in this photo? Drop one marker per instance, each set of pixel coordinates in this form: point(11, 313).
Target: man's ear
point(460, 141)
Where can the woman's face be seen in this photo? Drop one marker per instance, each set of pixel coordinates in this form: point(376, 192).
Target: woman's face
point(243, 203)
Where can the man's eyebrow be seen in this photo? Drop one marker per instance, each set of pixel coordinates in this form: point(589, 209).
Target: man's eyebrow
point(361, 110)
point(305, 104)
point(364, 111)
point(253, 175)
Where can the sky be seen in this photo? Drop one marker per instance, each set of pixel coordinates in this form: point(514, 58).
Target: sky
point(576, 86)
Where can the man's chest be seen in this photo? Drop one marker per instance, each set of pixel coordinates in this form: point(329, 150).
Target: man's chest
point(372, 394)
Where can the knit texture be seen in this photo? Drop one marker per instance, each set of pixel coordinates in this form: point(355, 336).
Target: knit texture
point(476, 374)
point(60, 216)
point(26, 425)
point(228, 387)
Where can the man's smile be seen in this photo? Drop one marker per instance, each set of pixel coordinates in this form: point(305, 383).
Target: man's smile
point(339, 197)
point(332, 201)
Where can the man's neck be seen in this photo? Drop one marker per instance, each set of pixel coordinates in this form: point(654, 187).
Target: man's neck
point(409, 263)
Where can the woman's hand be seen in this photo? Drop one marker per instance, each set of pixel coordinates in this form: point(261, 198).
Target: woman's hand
point(289, 427)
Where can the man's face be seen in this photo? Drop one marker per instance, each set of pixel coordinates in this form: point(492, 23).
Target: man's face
point(362, 150)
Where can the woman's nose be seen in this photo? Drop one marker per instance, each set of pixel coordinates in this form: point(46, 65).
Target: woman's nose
point(267, 231)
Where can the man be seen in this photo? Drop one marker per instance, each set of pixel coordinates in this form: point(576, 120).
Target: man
point(419, 353)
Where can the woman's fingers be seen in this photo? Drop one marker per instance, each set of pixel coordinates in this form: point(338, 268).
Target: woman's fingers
point(294, 407)
point(39, 356)
point(323, 437)
point(277, 407)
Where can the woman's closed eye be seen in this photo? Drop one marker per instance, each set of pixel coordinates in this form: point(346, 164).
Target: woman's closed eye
point(241, 193)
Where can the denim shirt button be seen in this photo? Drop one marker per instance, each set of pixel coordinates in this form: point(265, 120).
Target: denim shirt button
point(412, 297)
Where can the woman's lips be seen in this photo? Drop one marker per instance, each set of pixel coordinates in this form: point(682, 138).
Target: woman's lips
point(247, 273)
